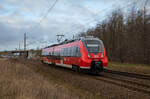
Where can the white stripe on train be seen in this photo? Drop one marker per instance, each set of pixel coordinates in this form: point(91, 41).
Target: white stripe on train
point(67, 66)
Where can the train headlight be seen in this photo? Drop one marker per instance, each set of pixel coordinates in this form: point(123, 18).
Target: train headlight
point(102, 55)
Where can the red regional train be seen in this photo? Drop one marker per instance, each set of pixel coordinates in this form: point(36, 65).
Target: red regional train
point(86, 53)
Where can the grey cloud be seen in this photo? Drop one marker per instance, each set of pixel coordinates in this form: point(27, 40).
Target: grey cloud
point(8, 37)
point(68, 17)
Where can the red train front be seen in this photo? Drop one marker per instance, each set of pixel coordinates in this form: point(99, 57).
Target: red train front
point(86, 53)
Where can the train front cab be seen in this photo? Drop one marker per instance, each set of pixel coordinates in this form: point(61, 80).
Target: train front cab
point(93, 54)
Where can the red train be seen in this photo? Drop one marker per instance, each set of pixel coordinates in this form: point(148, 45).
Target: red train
point(86, 53)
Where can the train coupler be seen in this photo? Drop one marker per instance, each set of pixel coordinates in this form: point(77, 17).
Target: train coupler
point(96, 66)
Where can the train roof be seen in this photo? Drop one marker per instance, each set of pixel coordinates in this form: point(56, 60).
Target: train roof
point(64, 42)
point(69, 41)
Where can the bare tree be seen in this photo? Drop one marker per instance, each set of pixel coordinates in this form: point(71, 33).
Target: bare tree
point(126, 36)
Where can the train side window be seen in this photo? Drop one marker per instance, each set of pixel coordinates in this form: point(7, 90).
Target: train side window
point(43, 53)
point(54, 53)
point(74, 51)
point(71, 54)
point(70, 50)
point(78, 52)
point(66, 52)
point(46, 53)
point(61, 52)
point(58, 53)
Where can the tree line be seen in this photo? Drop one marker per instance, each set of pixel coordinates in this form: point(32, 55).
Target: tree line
point(126, 35)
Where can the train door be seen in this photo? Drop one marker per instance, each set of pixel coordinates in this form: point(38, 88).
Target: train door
point(53, 54)
point(61, 60)
point(76, 55)
point(61, 57)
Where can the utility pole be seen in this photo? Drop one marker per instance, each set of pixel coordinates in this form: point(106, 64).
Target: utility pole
point(24, 41)
point(59, 37)
point(73, 37)
point(19, 46)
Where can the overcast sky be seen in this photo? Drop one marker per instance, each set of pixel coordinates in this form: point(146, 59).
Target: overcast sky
point(68, 17)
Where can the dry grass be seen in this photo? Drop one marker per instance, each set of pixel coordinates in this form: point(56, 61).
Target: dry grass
point(17, 81)
point(82, 83)
point(20, 79)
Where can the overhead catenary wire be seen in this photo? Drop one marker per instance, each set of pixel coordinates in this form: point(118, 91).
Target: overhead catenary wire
point(106, 10)
point(102, 11)
point(44, 16)
point(95, 18)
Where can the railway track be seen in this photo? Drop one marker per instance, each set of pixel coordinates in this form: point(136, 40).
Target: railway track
point(121, 82)
point(132, 75)
point(125, 84)
point(131, 85)
point(116, 80)
point(126, 80)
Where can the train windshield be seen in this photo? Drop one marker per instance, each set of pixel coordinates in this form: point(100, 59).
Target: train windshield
point(94, 46)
